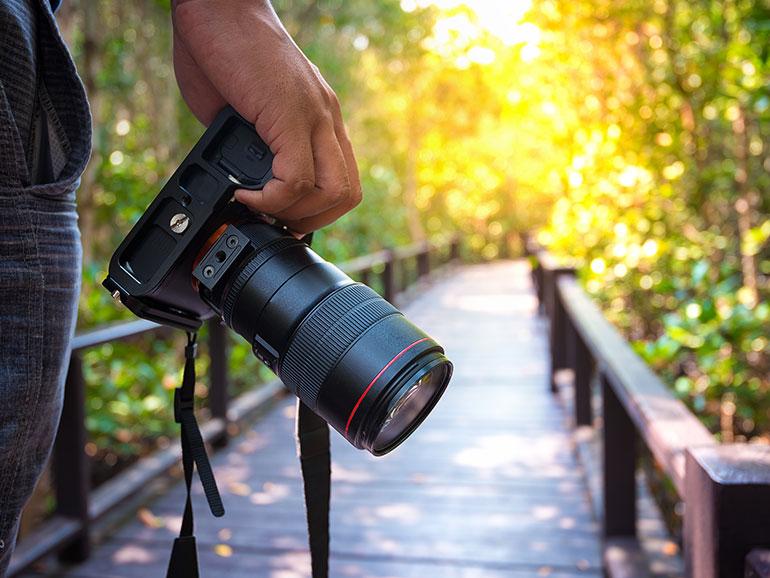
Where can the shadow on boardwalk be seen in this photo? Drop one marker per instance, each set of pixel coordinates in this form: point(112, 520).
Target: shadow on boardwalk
point(488, 487)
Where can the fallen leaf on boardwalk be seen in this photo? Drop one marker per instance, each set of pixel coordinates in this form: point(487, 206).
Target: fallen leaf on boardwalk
point(223, 550)
point(239, 489)
point(149, 519)
point(670, 549)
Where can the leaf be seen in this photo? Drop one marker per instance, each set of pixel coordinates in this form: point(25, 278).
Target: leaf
point(699, 271)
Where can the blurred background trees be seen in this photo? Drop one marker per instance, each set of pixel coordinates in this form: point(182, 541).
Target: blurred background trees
point(668, 191)
point(632, 134)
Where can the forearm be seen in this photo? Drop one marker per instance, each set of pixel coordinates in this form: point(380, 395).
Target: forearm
point(238, 46)
point(237, 52)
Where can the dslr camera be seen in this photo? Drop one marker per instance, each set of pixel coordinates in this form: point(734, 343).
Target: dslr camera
point(196, 253)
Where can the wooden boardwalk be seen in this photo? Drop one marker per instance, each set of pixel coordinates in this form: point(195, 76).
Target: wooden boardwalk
point(488, 487)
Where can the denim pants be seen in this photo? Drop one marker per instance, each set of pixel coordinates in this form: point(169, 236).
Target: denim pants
point(45, 134)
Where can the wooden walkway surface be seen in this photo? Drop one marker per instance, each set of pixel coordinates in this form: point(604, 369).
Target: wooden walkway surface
point(488, 487)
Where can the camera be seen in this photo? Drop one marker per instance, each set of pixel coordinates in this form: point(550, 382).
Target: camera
point(196, 253)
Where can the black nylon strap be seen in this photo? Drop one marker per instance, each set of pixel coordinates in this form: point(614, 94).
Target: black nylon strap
point(315, 459)
point(184, 556)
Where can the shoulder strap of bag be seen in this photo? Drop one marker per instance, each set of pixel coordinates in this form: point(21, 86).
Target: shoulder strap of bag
point(315, 459)
point(184, 556)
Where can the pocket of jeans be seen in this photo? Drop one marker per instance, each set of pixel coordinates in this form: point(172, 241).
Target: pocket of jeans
point(13, 165)
point(14, 173)
point(69, 153)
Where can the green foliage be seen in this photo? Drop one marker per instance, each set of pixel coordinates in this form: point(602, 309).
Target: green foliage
point(129, 393)
point(667, 196)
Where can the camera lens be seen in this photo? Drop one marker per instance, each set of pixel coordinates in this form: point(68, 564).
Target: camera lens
point(343, 350)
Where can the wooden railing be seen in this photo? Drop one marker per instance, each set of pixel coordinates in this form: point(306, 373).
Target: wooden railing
point(69, 531)
point(725, 487)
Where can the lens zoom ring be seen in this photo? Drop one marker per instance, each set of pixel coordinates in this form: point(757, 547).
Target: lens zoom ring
point(325, 335)
point(254, 263)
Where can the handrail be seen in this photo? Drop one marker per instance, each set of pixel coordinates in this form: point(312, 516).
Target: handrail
point(114, 332)
point(410, 250)
point(725, 487)
point(359, 264)
point(68, 531)
point(665, 423)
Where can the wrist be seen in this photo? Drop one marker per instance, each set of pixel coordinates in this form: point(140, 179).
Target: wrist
point(233, 16)
point(214, 4)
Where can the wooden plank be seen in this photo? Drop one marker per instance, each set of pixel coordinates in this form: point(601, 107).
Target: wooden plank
point(488, 547)
point(624, 558)
point(664, 422)
point(555, 504)
point(136, 560)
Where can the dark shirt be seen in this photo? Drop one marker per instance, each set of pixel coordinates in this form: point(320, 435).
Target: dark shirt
point(18, 63)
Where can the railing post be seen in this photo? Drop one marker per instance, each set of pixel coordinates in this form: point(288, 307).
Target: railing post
point(365, 276)
point(218, 379)
point(388, 278)
point(549, 295)
point(539, 281)
point(505, 245)
point(423, 261)
point(558, 317)
point(583, 365)
point(70, 463)
point(727, 508)
point(454, 249)
point(619, 466)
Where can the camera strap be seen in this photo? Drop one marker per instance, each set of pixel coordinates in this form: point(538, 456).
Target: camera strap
point(315, 459)
point(313, 449)
point(314, 454)
point(184, 555)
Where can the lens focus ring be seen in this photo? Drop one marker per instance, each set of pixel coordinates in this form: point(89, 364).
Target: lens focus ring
point(254, 263)
point(337, 322)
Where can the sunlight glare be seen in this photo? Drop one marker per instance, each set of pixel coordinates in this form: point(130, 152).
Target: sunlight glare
point(463, 23)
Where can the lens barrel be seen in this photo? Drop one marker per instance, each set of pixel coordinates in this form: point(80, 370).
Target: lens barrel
point(347, 353)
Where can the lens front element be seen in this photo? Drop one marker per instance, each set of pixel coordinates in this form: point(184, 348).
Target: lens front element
point(411, 405)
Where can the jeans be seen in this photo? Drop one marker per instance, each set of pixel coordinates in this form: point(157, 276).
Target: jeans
point(39, 283)
point(45, 136)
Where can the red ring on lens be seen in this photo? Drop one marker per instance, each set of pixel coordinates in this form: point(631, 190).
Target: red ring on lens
point(376, 377)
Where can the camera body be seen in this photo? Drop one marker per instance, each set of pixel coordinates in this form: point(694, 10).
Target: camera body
point(150, 272)
point(348, 354)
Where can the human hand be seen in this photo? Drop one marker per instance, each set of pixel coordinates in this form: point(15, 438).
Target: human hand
point(237, 52)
